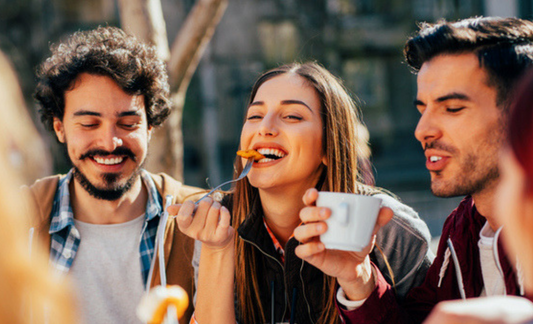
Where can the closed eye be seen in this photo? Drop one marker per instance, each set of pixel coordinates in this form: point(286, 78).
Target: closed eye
point(253, 117)
point(129, 126)
point(293, 117)
point(454, 110)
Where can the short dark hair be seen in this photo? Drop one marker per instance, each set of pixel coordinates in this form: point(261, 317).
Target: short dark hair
point(504, 47)
point(106, 51)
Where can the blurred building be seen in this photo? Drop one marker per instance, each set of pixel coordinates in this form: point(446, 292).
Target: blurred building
point(359, 40)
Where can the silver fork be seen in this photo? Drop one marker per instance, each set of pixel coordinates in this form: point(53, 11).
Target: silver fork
point(243, 174)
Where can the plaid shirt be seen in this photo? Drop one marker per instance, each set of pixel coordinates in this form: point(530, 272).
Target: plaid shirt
point(65, 237)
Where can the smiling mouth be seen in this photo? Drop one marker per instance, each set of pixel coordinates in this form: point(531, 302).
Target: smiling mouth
point(109, 161)
point(271, 154)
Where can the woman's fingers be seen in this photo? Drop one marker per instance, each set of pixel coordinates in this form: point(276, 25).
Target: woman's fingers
point(314, 214)
point(173, 209)
point(184, 215)
point(310, 197)
point(307, 232)
point(224, 231)
point(225, 219)
point(192, 218)
point(208, 222)
point(384, 216)
point(212, 216)
point(310, 249)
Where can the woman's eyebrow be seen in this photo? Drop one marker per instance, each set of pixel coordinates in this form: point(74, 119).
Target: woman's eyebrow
point(257, 103)
point(283, 102)
point(295, 102)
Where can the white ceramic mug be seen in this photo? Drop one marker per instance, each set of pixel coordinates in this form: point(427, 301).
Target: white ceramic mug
point(352, 220)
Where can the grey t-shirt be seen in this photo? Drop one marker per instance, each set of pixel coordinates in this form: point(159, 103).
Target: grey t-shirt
point(107, 272)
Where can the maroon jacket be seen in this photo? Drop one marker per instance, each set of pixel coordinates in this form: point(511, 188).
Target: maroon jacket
point(462, 227)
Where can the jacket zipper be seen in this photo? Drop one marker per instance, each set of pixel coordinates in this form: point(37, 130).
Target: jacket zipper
point(282, 268)
point(304, 293)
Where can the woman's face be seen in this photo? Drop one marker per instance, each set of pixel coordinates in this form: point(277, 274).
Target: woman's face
point(513, 210)
point(283, 123)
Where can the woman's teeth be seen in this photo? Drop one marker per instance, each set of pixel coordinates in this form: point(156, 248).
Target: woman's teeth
point(270, 154)
point(111, 161)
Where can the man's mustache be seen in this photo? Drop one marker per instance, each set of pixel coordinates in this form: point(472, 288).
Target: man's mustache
point(439, 146)
point(123, 151)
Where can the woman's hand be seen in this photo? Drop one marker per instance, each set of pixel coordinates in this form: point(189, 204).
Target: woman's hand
point(352, 269)
point(209, 223)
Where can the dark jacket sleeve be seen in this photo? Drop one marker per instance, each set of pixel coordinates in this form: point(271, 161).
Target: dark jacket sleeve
point(380, 307)
point(404, 245)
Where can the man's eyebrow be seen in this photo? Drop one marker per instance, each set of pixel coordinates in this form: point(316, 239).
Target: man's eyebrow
point(295, 102)
point(129, 113)
point(450, 96)
point(86, 113)
point(453, 95)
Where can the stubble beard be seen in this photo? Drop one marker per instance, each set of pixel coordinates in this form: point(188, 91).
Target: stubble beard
point(478, 171)
point(468, 182)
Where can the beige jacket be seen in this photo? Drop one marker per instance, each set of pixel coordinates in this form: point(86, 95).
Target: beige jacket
point(178, 247)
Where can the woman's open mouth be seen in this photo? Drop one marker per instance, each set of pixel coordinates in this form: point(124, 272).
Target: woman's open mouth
point(271, 154)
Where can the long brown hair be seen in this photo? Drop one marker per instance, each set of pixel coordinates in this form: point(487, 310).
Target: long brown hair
point(341, 144)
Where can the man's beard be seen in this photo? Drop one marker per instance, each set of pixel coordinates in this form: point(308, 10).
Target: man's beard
point(112, 190)
point(469, 181)
point(478, 170)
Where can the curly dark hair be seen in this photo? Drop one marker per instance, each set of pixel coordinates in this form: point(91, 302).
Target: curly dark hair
point(504, 47)
point(110, 52)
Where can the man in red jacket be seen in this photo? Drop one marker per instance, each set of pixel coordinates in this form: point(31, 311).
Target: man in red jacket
point(466, 72)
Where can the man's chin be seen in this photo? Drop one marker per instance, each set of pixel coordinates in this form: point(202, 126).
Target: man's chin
point(112, 187)
point(443, 190)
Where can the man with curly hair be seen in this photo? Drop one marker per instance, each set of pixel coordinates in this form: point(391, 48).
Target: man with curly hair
point(102, 92)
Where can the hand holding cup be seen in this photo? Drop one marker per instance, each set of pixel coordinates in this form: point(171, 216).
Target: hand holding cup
point(351, 268)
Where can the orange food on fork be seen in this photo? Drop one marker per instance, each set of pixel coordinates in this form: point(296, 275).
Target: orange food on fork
point(250, 153)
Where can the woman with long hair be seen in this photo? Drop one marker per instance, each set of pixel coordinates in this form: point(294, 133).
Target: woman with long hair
point(305, 123)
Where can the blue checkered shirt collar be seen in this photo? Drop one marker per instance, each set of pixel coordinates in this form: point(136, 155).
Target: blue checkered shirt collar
point(65, 238)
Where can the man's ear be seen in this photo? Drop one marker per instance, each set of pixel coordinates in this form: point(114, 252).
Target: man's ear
point(59, 130)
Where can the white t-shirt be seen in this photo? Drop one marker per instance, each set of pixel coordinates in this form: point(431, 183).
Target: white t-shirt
point(493, 283)
point(107, 272)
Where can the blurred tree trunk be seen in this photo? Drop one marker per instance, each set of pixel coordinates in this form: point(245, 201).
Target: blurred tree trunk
point(144, 19)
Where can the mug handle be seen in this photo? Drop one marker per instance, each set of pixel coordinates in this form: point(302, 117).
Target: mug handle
point(343, 213)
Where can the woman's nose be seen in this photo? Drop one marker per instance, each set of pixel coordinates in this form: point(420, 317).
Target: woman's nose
point(268, 126)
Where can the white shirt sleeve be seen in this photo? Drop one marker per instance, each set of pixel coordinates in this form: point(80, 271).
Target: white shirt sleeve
point(351, 305)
